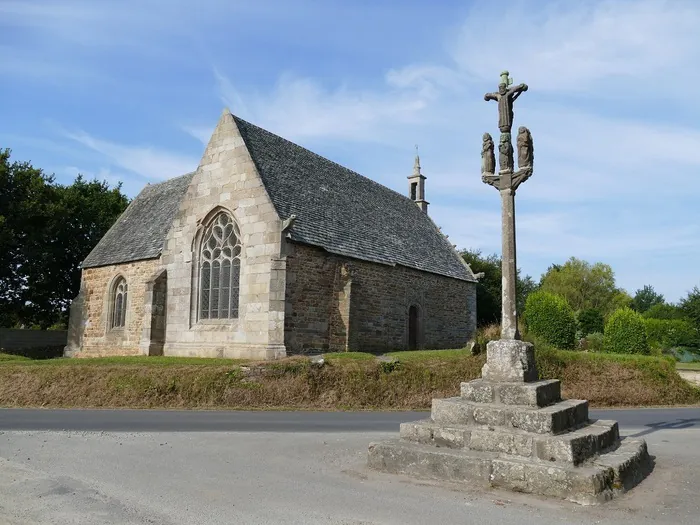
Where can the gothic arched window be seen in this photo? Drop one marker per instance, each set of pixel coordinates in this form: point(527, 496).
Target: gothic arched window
point(119, 303)
point(219, 269)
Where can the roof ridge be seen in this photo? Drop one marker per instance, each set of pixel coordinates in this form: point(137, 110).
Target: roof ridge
point(322, 157)
point(391, 228)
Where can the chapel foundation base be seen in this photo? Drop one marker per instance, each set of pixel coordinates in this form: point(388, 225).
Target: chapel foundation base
point(511, 431)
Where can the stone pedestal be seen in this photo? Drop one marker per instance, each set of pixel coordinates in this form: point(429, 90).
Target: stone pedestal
point(510, 430)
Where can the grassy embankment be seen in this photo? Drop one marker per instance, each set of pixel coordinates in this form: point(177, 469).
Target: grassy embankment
point(349, 381)
point(688, 366)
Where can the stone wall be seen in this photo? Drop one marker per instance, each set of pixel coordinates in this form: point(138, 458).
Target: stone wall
point(97, 338)
point(327, 294)
point(227, 180)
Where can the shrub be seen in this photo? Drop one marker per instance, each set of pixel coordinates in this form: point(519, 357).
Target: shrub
point(589, 321)
point(625, 333)
point(670, 333)
point(593, 342)
point(550, 318)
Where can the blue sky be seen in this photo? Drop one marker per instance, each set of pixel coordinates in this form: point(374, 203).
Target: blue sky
point(129, 90)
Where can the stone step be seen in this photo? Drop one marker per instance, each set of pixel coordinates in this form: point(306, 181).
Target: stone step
point(553, 419)
point(535, 394)
point(571, 448)
point(589, 484)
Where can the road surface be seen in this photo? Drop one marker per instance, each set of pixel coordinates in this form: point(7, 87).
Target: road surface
point(272, 421)
point(185, 467)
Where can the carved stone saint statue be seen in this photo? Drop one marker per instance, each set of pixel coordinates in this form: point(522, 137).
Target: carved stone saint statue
point(525, 149)
point(488, 158)
point(505, 153)
point(505, 98)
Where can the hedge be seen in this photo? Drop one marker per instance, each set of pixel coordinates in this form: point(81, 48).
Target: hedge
point(671, 333)
point(625, 333)
point(549, 317)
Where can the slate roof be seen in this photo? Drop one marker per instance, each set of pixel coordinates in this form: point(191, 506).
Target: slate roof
point(140, 231)
point(336, 209)
point(346, 213)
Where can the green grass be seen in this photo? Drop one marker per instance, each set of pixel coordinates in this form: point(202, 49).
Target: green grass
point(148, 361)
point(12, 358)
point(428, 355)
point(362, 356)
point(348, 381)
point(687, 366)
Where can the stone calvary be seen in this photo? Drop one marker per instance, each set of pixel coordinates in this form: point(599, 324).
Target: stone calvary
point(510, 429)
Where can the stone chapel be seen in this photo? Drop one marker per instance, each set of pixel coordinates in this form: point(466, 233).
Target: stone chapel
point(267, 250)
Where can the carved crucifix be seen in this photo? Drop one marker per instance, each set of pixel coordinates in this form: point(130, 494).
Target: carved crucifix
point(505, 97)
point(507, 182)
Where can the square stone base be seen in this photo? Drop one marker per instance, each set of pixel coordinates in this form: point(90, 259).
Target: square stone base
point(510, 430)
point(590, 484)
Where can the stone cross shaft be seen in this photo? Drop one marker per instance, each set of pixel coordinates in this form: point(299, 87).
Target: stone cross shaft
point(507, 182)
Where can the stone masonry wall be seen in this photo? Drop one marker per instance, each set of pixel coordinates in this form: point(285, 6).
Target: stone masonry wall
point(378, 303)
point(98, 339)
point(227, 180)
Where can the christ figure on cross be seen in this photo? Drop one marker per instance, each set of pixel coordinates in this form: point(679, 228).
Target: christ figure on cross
point(505, 98)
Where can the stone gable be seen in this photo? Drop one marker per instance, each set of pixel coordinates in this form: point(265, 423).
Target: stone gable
point(227, 179)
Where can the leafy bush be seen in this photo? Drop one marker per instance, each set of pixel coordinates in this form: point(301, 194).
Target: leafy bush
point(625, 333)
point(549, 317)
point(593, 342)
point(589, 321)
point(671, 333)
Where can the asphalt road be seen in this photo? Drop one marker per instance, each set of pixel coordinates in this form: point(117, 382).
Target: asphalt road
point(647, 420)
point(130, 467)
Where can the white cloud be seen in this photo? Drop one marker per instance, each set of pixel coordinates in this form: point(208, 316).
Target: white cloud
point(201, 133)
point(146, 161)
point(302, 108)
point(610, 178)
point(563, 46)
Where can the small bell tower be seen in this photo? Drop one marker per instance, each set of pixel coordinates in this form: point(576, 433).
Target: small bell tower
point(416, 185)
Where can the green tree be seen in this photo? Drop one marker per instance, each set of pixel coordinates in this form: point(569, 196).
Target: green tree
point(690, 306)
point(590, 321)
point(584, 285)
point(664, 311)
point(25, 200)
point(645, 298)
point(46, 230)
point(488, 289)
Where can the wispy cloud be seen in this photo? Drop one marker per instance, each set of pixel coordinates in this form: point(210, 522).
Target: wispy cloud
point(302, 108)
point(149, 162)
point(566, 46)
point(129, 184)
point(614, 128)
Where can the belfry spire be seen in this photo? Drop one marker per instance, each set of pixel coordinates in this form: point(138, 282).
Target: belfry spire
point(416, 185)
